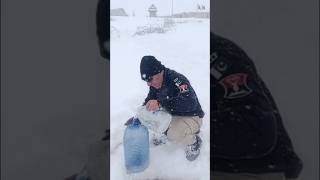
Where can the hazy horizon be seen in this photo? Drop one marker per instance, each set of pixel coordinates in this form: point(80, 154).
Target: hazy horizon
point(140, 7)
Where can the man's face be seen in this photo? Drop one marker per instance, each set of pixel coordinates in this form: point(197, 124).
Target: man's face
point(156, 80)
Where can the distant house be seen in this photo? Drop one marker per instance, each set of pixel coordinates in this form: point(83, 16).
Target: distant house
point(153, 11)
point(118, 12)
point(198, 7)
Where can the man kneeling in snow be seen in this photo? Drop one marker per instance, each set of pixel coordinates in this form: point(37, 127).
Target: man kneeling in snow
point(173, 92)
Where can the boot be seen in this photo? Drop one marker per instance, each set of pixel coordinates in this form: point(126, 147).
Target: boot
point(159, 139)
point(193, 150)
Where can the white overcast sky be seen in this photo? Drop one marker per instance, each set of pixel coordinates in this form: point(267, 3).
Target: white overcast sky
point(140, 7)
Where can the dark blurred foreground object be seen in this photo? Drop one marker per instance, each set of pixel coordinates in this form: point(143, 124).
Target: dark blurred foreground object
point(73, 177)
point(103, 27)
point(247, 132)
point(97, 165)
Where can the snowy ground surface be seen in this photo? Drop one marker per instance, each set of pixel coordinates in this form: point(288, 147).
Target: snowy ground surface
point(183, 46)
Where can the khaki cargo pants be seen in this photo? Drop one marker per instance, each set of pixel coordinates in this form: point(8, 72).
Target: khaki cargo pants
point(182, 129)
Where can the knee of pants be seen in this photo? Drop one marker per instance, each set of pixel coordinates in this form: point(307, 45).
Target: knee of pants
point(182, 130)
point(176, 136)
point(177, 131)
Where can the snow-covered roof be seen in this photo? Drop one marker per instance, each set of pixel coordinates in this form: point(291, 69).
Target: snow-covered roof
point(152, 8)
point(118, 12)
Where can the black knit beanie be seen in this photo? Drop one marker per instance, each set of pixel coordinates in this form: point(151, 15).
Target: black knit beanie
point(149, 66)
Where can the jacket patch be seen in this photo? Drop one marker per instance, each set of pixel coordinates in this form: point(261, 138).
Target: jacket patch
point(235, 86)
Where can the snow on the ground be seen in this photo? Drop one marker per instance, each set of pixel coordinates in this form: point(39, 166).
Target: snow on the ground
point(184, 48)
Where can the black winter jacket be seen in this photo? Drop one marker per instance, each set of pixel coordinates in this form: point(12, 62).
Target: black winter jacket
point(246, 128)
point(175, 102)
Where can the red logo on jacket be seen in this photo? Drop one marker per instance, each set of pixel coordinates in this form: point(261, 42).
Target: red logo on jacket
point(235, 86)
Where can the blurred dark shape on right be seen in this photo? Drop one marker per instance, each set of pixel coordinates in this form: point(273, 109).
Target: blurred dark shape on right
point(247, 132)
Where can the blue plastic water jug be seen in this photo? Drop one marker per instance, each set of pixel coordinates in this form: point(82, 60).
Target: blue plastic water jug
point(136, 147)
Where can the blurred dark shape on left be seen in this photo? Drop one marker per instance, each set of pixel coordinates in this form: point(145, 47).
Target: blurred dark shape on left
point(103, 27)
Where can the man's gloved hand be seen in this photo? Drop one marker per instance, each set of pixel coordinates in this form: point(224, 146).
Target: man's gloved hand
point(152, 105)
point(183, 88)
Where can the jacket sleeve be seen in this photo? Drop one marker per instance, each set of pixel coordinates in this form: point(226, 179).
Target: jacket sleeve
point(183, 101)
point(243, 121)
point(151, 95)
